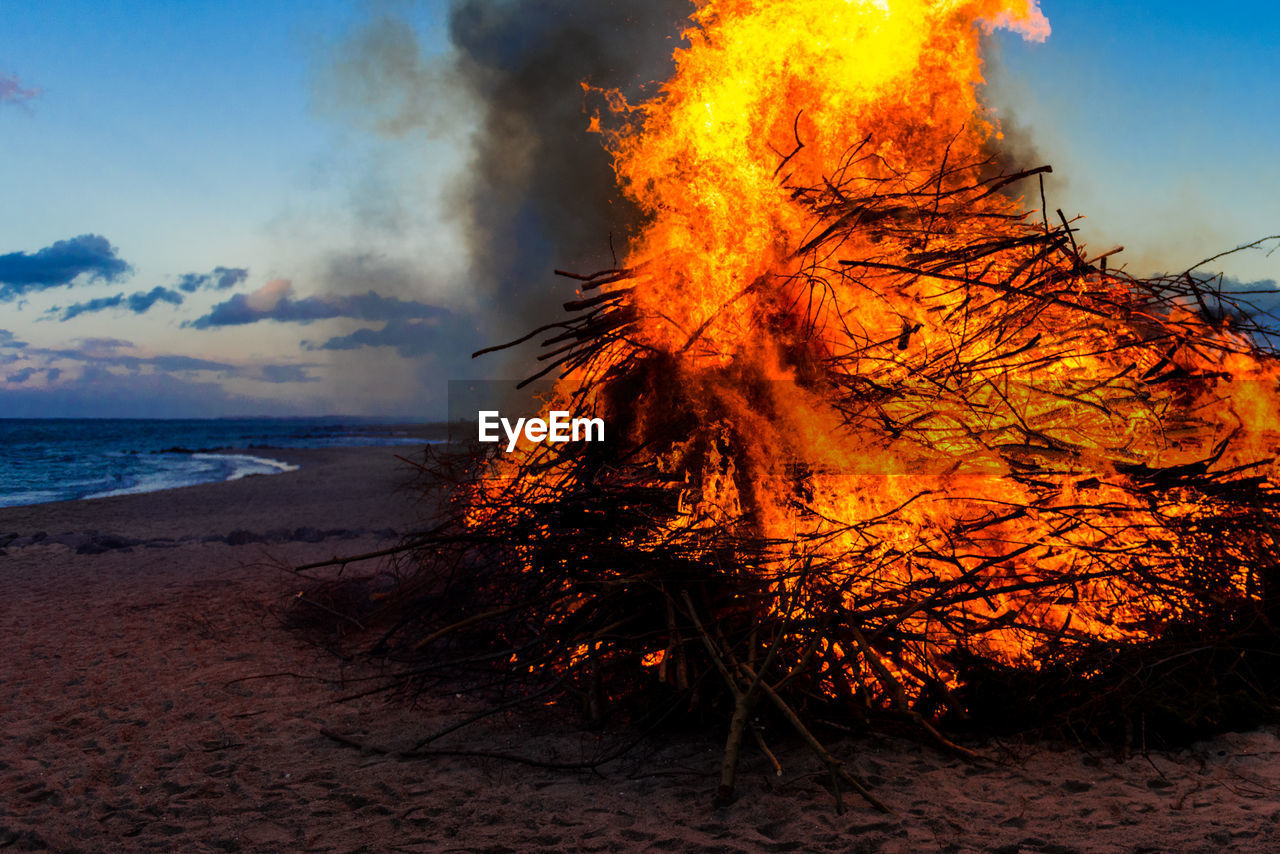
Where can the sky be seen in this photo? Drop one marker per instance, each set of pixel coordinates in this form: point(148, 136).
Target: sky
point(252, 208)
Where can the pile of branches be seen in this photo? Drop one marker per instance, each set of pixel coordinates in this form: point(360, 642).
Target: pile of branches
point(590, 573)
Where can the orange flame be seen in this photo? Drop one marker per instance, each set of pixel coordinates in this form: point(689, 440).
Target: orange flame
point(870, 96)
point(758, 79)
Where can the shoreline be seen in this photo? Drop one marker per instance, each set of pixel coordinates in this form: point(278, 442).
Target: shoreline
point(153, 700)
point(45, 461)
point(168, 513)
point(270, 459)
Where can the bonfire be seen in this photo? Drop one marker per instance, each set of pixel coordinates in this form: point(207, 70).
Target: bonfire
point(885, 439)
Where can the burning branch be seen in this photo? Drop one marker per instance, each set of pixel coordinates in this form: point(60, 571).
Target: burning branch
point(1055, 517)
point(883, 445)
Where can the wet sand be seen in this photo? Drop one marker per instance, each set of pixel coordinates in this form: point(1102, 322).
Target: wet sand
point(152, 700)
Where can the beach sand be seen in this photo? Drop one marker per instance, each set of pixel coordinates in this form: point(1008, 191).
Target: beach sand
point(152, 700)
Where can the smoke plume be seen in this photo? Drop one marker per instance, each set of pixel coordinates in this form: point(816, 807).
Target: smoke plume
point(538, 192)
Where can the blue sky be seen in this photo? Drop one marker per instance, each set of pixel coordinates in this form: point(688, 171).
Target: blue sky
point(197, 221)
point(1162, 123)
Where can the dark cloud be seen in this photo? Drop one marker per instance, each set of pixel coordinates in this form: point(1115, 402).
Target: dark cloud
point(371, 306)
point(114, 353)
point(60, 264)
point(103, 378)
point(89, 306)
point(105, 352)
point(138, 303)
point(287, 374)
point(176, 364)
point(275, 301)
point(539, 192)
point(410, 338)
point(221, 279)
point(367, 271)
point(1264, 292)
point(98, 347)
point(8, 341)
point(1256, 303)
point(101, 393)
point(13, 92)
point(240, 310)
point(110, 378)
point(142, 301)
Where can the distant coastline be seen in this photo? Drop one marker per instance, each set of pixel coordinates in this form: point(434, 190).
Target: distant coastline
point(69, 459)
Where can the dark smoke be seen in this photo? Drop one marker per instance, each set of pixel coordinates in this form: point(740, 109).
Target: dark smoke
point(1018, 148)
point(542, 193)
point(539, 192)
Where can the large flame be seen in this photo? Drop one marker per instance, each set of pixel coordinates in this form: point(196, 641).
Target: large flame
point(758, 305)
point(759, 78)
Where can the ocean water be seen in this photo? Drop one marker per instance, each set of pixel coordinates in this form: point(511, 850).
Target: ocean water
point(68, 459)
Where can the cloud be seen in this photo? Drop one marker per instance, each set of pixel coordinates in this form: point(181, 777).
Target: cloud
point(275, 301)
point(89, 306)
point(373, 271)
point(9, 342)
point(287, 374)
point(410, 338)
point(191, 282)
point(138, 303)
point(112, 378)
point(142, 301)
point(99, 392)
point(1255, 305)
point(221, 279)
point(112, 353)
point(174, 364)
point(109, 377)
point(13, 92)
point(265, 299)
point(108, 353)
point(60, 264)
point(100, 347)
point(1261, 296)
point(539, 188)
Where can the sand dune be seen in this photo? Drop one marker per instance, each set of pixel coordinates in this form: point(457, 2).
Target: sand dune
point(151, 700)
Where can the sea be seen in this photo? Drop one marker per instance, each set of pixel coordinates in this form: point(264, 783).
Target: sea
point(44, 460)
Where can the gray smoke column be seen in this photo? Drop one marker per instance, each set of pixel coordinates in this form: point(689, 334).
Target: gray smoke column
point(1018, 147)
point(539, 191)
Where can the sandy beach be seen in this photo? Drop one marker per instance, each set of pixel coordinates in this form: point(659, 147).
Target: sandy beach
point(151, 699)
